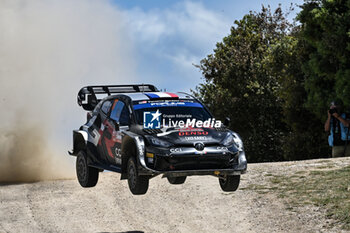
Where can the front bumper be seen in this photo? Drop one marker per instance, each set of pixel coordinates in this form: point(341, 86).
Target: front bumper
point(189, 161)
point(214, 172)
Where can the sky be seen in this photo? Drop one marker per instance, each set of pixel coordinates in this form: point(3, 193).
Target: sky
point(169, 37)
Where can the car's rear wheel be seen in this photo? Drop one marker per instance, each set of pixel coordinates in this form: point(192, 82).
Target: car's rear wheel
point(138, 185)
point(229, 183)
point(177, 180)
point(87, 176)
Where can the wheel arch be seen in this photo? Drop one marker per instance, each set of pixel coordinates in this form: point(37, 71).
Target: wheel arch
point(79, 141)
point(128, 149)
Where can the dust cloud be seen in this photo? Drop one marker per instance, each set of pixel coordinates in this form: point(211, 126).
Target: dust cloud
point(48, 51)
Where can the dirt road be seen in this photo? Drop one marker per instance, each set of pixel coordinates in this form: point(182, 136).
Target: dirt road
point(199, 205)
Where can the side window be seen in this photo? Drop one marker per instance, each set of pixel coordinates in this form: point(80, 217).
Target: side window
point(117, 109)
point(124, 116)
point(120, 113)
point(106, 106)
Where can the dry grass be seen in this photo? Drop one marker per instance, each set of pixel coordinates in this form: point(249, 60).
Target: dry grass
point(328, 189)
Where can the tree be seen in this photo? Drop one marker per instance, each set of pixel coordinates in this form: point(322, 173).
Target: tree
point(326, 31)
point(257, 76)
point(240, 84)
point(305, 138)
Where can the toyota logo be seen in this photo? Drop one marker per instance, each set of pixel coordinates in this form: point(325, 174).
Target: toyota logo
point(199, 146)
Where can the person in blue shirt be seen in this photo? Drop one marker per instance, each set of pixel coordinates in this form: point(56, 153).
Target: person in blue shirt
point(335, 124)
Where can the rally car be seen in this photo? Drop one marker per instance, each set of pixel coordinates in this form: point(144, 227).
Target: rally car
point(141, 132)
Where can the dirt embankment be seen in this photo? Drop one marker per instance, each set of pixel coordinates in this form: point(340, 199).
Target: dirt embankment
point(196, 206)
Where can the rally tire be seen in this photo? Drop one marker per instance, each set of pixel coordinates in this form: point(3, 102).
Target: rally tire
point(138, 185)
point(177, 180)
point(87, 176)
point(229, 183)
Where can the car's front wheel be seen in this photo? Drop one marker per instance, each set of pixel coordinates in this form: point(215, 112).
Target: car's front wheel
point(177, 180)
point(87, 176)
point(229, 183)
point(138, 185)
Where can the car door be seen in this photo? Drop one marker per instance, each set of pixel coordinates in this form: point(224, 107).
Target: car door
point(104, 130)
point(117, 122)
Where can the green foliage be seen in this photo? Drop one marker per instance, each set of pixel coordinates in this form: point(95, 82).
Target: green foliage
point(305, 138)
point(255, 76)
point(326, 31)
point(239, 83)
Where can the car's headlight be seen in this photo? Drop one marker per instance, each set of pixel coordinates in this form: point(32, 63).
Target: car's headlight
point(233, 139)
point(238, 141)
point(158, 142)
point(229, 140)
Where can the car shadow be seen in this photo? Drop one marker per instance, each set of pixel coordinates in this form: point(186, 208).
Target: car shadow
point(9, 183)
point(14, 183)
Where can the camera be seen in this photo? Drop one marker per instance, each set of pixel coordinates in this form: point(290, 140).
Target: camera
point(333, 110)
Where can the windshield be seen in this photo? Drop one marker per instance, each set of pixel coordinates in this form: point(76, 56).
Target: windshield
point(176, 111)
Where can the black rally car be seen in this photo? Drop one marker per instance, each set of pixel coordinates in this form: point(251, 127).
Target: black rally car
point(141, 133)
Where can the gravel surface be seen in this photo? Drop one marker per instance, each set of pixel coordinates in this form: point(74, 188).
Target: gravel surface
point(199, 205)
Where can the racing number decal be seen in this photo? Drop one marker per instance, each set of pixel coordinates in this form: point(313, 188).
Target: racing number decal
point(112, 141)
point(117, 148)
point(118, 155)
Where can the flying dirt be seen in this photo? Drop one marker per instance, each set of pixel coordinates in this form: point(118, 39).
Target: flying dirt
point(24, 160)
point(48, 50)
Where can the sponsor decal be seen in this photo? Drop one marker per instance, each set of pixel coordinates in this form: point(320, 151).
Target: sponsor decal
point(210, 123)
point(190, 129)
point(118, 160)
point(175, 150)
point(177, 116)
point(140, 145)
point(193, 133)
point(167, 104)
point(118, 152)
point(197, 138)
point(143, 104)
point(151, 120)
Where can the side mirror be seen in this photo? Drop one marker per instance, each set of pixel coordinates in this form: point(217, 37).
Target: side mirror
point(227, 121)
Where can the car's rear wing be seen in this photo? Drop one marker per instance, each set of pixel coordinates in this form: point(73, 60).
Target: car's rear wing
point(89, 96)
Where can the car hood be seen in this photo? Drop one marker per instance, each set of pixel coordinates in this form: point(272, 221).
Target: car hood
point(182, 136)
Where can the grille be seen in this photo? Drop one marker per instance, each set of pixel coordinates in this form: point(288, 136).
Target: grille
point(152, 131)
point(192, 163)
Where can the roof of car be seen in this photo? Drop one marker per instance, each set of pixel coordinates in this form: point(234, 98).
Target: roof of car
point(157, 95)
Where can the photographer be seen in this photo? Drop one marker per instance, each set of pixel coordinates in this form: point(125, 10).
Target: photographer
point(335, 123)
